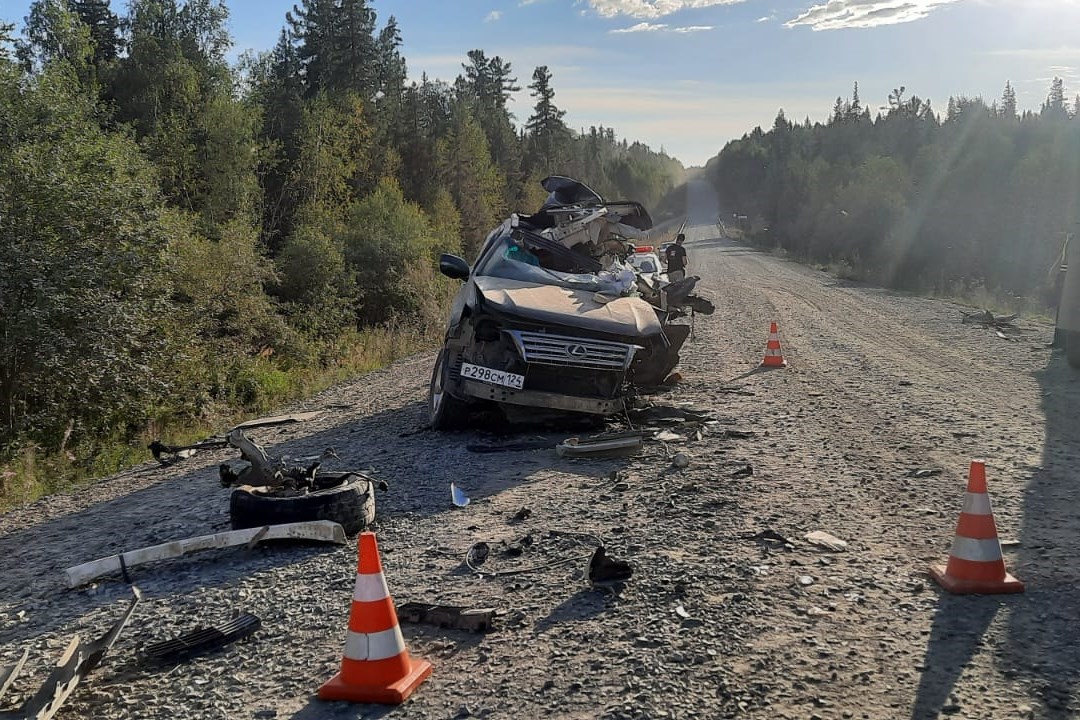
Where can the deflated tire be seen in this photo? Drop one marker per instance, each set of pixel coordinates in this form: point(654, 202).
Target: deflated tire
point(345, 498)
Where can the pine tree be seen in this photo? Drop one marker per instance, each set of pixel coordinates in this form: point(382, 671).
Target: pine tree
point(546, 127)
point(1008, 102)
point(1054, 107)
point(855, 109)
point(104, 29)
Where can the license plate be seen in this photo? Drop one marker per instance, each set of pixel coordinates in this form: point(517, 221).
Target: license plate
point(492, 377)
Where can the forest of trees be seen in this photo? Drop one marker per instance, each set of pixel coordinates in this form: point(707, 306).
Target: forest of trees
point(975, 202)
point(182, 237)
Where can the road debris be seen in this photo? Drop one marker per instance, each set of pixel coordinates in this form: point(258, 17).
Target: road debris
point(276, 420)
point(8, 675)
point(822, 539)
point(924, 472)
point(458, 496)
point(170, 454)
point(668, 436)
point(746, 470)
point(607, 572)
point(74, 665)
point(602, 447)
point(319, 531)
point(476, 555)
point(667, 413)
point(770, 537)
point(347, 498)
point(203, 640)
point(522, 515)
point(447, 616)
point(989, 320)
point(681, 461)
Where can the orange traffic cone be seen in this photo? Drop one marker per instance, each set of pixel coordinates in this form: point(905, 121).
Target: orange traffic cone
point(376, 667)
point(975, 562)
point(774, 356)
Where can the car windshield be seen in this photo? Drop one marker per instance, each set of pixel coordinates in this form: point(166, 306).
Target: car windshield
point(512, 259)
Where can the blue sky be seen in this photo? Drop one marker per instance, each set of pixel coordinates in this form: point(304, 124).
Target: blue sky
point(689, 75)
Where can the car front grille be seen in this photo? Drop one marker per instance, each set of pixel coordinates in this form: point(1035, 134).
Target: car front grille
point(562, 350)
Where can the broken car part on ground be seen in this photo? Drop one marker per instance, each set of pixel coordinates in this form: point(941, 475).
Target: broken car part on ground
point(552, 315)
point(75, 664)
point(273, 492)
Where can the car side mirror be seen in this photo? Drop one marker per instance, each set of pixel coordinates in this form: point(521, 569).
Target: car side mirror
point(454, 267)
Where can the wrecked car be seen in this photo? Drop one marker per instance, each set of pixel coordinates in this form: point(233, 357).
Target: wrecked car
point(552, 316)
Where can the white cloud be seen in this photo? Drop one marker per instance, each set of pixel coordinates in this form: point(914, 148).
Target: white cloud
point(640, 27)
point(493, 16)
point(661, 27)
point(766, 18)
point(841, 14)
point(651, 8)
point(1061, 54)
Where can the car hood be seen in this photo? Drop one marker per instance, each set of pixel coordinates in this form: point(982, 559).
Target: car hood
point(626, 316)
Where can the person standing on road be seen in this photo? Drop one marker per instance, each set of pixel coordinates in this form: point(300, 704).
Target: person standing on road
point(675, 256)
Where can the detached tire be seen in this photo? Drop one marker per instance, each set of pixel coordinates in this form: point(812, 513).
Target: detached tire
point(345, 498)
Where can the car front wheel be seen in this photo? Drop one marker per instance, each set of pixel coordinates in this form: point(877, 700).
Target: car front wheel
point(445, 411)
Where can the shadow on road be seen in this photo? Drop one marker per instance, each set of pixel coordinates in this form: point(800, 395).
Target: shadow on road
point(1039, 648)
point(955, 638)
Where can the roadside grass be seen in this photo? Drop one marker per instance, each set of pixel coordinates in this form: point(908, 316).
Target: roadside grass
point(33, 473)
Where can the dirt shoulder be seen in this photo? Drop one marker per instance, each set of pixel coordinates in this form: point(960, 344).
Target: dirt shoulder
point(714, 623)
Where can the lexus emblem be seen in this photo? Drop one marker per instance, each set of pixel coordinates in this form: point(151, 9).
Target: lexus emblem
point(577, 351)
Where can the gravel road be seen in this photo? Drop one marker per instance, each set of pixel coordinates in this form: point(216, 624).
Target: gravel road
point(718, 620)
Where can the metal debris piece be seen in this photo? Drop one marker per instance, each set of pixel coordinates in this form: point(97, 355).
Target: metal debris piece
point(988, 319)
point(458, 496)
point(169, 454)
point(277, 420)
point(318, 530)
point(447, 616)
point(522, 515)
point(203, 640)
point(769, 537)
point(668, 436)
point(599, 448)
point(822, 539)
point(8, 675)
point(74, 665)
point(667, 413)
